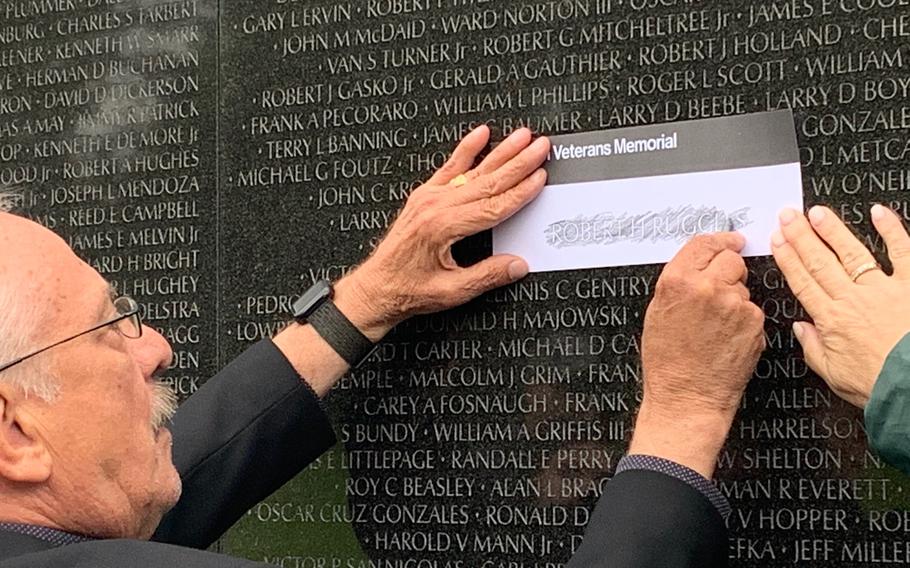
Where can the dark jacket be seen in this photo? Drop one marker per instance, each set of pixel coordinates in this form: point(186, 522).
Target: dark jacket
point(256, 425)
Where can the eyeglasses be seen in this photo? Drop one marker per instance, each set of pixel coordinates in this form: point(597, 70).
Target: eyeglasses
point(128, 323)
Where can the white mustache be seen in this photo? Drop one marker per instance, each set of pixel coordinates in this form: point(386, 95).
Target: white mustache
point(164, 405)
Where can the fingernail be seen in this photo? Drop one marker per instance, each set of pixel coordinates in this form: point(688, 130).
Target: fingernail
point(518, 269)
point(778, 239)
point(798, 330)
point(817, 215)
point(787, 216)
point(878, 212)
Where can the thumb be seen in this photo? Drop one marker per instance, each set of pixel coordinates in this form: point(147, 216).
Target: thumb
point(813, 350)
point(492, 273)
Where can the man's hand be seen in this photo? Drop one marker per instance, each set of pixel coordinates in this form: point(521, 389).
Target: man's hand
point(856, 323)
point(412, 270)
point(701, 342)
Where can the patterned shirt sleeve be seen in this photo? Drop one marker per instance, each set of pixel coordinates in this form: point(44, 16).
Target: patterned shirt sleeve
point(55, 537)
point(688, 476)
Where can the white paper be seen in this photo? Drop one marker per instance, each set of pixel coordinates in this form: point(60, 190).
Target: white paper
point(647, 220)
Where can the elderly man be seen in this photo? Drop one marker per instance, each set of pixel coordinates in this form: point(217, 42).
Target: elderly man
point(87, 476)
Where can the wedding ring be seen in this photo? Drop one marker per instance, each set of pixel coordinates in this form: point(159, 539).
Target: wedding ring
point(460, 180)
point(868, 267)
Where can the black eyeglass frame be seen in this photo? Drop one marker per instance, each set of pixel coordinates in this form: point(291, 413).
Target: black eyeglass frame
point(132, 313)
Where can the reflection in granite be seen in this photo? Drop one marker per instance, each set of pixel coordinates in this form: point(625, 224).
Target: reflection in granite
point(214, 160)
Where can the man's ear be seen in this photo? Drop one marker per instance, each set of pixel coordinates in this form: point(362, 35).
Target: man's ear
point(24, 456)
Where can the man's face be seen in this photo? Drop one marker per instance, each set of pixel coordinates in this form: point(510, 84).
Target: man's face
point(112, 473)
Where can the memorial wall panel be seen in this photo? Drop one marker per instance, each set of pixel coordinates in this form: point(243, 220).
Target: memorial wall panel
point(216, 159)
point(107, 120)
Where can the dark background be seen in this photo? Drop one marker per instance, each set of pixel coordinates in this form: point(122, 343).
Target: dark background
point(215, 159)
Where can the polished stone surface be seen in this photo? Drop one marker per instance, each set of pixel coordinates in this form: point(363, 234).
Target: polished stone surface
point(216, 159)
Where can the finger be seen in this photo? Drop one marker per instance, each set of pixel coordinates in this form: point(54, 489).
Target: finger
point(489, 274)
point(505, 151)
point(759, 318)
point(743, 291)
point(464, 156)
point(851, 252)
point(511, 174)
point(813, 348)
point(485, 214)
point(809, 293)
point(892, 230)
point(728, 267)
point(701, 250)
point(816, 257)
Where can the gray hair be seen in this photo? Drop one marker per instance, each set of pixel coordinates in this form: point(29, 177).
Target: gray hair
point(17, 330)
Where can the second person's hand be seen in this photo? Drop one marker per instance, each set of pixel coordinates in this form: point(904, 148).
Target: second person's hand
point(859, 312)
point(702, 339)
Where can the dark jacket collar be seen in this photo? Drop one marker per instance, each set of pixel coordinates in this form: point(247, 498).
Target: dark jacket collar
point(15, 544)
point(18, 539)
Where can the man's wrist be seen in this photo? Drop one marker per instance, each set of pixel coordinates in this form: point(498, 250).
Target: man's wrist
point(692, 439)
point(363, 308)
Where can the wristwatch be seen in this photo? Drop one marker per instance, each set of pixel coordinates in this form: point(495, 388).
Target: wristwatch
point(315, 307)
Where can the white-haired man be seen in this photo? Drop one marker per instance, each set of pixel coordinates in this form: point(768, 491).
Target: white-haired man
point(87, 475)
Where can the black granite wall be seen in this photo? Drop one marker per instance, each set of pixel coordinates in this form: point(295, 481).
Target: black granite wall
point(215, 159)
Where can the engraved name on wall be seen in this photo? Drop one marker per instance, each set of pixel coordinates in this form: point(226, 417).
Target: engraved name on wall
point(484, 436)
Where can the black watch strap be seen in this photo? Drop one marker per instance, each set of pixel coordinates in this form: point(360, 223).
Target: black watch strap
point(338, 331)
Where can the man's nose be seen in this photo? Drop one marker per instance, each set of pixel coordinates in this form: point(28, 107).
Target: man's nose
point(153, 352)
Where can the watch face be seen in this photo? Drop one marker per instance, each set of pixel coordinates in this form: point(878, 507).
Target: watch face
point(312, 298)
